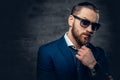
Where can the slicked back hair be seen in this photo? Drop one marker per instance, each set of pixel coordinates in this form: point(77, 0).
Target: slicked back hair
point(79, 6)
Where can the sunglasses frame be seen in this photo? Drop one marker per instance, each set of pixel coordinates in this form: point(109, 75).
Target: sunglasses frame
point(95, 26)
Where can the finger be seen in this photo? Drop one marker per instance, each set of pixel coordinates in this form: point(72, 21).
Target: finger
point(83, 50)
point(78, 56)
point(80, 52)
point(83, 47)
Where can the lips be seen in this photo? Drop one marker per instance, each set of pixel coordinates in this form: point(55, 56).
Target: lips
point(86, 35)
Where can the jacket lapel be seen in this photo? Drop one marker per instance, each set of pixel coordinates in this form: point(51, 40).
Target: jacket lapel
point(65, 50)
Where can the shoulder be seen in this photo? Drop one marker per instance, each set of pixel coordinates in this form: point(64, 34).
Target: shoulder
point(46, 51)
point(92, 47)
point(48, 46)
point(98, 51)
point(53, 44)
point(100, 55)
point(96, 48)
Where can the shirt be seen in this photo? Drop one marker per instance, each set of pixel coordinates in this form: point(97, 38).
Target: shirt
point(69, 42)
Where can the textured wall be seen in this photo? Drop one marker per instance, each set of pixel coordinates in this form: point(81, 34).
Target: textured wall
point(27, 24)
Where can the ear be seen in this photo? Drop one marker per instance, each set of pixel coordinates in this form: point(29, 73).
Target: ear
point(70, 20)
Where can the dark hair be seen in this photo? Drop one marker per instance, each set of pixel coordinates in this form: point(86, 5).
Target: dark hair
point(79, 6)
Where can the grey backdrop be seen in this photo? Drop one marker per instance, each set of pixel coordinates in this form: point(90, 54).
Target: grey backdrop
point(27, 24)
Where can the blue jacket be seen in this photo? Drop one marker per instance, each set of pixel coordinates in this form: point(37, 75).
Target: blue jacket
point(55, 62)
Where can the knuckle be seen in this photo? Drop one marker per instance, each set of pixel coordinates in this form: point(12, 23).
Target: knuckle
point(89, 50)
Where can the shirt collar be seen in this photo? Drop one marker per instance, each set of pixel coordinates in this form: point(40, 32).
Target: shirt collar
point(68, 41)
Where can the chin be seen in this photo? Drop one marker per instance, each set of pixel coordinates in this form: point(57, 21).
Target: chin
point(85, 41)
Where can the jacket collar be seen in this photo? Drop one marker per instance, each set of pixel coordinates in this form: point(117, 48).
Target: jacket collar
point(65, 50)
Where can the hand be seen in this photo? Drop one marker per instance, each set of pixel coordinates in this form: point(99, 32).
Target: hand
point(85, 55)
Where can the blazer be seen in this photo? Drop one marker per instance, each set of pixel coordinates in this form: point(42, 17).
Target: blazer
point(55, 62)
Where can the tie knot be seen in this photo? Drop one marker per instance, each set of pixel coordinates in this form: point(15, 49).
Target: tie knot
point(73, 49)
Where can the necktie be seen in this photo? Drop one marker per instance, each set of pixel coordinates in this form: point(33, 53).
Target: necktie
point(78, 64)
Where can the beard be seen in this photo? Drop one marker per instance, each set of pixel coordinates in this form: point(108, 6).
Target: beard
point(79, 38)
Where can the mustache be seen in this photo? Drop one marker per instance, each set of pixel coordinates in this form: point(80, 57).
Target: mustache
point(88, 34)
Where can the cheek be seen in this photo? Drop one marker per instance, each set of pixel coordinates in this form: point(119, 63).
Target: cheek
point(79, 33)
point(78, 30)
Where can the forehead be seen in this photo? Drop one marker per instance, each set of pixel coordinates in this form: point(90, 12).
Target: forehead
point(88, 14)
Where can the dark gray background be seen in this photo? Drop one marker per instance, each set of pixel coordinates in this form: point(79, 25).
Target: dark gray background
point(27, 24)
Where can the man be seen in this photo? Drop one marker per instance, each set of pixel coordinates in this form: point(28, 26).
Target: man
point(73, 57)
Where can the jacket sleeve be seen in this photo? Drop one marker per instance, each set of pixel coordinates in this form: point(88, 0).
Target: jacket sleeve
point(45, 70)
point(101, 69)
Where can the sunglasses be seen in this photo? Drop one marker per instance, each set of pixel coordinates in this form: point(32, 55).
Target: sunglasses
point(85, 23)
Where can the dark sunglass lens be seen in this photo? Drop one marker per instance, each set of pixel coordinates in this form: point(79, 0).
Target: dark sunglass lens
point(85, 23)
point(95, 26)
